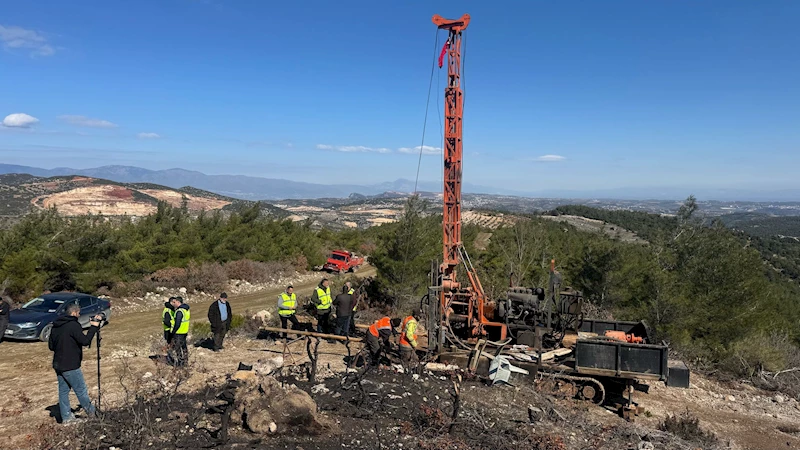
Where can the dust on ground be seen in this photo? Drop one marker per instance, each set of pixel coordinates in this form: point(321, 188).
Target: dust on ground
point(239, 288)
point(388, 409)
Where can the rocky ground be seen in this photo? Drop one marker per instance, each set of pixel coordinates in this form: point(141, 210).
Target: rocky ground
point(152, 405)
point(277, 406)
point(149, 404)
point(162, 294)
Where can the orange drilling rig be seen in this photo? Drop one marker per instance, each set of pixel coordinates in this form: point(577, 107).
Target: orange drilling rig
point(539, 329)
point(462, 311)
point(463, 315)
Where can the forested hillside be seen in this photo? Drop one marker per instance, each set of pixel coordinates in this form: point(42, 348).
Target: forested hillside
point(45, 250)
point(703, 288)
point(763, 226)
point(776, 238)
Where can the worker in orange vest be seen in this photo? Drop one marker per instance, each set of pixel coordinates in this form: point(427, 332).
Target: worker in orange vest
point(378, 337)
point(408, 338)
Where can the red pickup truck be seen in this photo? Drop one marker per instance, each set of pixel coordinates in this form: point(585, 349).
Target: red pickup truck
point(342, 261)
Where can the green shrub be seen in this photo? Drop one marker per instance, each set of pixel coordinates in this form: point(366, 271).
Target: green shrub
point(256, 271)
point(200, 329)
point(761, 352)
point(245, 325)
point(687, 427)
point(237, 321)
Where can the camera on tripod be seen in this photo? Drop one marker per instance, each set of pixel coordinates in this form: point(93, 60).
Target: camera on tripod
point(101, 318)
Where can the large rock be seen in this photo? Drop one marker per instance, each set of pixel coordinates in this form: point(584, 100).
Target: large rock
point(258, 419)
point(264, 316)
point(295, 407)
point(263, 406)
point(244, 375)
point(270, 387)
point(269, 365)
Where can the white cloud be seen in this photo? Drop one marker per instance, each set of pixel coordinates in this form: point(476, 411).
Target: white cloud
point(426, 150)
point(550, 158)
point(14, 37)
point(148, 136)
point(19, 120)
point(83, 121)
point(353, 148)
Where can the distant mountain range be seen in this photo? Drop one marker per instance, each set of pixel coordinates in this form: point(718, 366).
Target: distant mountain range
point(257, 188)
point(238, 186)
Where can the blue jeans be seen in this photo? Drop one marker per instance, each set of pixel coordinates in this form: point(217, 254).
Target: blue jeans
point(72, 379)
point(342, 326)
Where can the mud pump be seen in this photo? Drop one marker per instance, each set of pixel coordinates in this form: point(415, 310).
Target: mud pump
point(541, 330)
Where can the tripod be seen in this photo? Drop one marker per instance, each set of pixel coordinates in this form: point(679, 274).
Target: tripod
point(98, 366)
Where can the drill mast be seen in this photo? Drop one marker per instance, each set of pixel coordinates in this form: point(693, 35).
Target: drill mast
point(453, 146)
point(466, 305)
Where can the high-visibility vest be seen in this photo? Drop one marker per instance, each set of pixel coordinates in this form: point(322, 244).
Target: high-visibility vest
point(384, 323)
point(409, 325)
point(351, 292)
point(324, 298)
point(183, 328)
point(288, 304)
point(171, 313)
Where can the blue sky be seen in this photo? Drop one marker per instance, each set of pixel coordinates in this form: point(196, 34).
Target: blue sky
point(624, 93)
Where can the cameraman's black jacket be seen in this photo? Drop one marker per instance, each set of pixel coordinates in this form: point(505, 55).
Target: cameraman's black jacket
point(67, 341)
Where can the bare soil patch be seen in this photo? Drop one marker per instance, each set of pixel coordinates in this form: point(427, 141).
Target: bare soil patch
point(107, 200)
point(491, 221)
point(193, 203)
point(597, 226)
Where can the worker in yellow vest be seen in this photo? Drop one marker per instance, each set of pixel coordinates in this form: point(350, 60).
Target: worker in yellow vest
point(408, 339)
point(321, 298)
point(167, 319)
point(356, 300)
point(287, 307)
point(180, 329)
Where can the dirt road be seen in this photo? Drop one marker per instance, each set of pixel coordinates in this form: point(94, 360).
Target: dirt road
point(28, 385)
point(750, 418)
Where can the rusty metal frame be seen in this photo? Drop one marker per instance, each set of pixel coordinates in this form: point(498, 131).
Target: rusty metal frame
point(452, 245)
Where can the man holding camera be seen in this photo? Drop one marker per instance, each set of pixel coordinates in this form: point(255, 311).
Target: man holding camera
point(66, 342)
point(5, 310)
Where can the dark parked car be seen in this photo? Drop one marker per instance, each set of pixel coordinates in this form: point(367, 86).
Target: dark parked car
point(35, 319)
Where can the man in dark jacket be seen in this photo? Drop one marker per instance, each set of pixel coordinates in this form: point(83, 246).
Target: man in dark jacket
point(5, 310)
point(356, 302)
point(219, 315)
point(179, 353)
point(66, 342)
point(344, 310)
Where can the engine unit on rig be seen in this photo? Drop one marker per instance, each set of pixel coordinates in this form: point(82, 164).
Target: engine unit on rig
point(526, 310)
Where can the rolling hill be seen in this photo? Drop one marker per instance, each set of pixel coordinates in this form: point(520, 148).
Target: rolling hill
point(74, 195)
